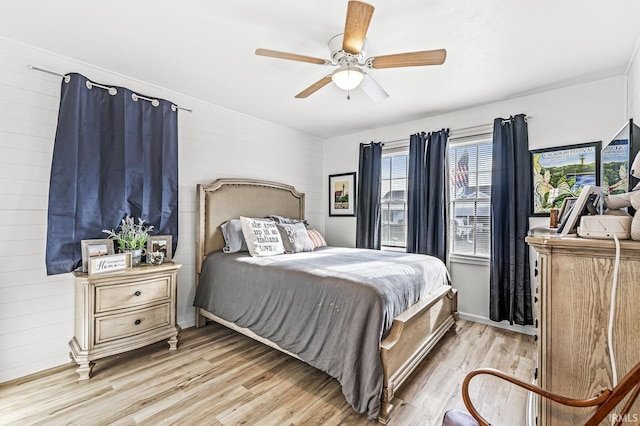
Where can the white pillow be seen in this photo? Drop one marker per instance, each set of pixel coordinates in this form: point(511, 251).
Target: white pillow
point(262, 236)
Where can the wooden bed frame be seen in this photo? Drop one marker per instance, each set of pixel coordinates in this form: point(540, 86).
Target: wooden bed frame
point(413, 333)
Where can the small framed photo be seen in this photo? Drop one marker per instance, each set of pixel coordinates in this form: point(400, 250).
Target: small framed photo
point(95, 248)
point(586, 203)
point(159, 244)
point(567, 203)
point(342, 194)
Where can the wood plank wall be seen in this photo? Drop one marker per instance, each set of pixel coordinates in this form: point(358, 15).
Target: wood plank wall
point(36, 311)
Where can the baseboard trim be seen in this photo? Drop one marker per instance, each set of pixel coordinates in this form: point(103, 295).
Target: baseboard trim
point(524, 329)
point(187, 324)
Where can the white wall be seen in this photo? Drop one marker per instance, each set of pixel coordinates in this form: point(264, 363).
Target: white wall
point(577, 114)
point(633, 86)
point(36, 311)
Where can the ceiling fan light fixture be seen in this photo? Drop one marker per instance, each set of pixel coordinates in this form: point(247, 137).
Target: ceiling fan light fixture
point(347, 77)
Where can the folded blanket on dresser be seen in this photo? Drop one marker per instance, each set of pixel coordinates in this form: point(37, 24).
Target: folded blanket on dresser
point(331, 307)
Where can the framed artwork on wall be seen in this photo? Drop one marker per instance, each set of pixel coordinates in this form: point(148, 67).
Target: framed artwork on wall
point(562, 172)
point(342, 194)
point(617, 160)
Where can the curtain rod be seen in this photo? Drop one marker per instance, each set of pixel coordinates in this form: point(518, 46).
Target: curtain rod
point(464, 129)
point(397, 140)
point(111, 90)
point(526, 117)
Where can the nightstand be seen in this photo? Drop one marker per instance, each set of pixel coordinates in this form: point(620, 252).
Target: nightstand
point(121, 311)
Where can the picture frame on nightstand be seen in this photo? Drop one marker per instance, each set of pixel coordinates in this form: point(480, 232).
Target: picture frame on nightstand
point(159, 244)
point(95, 248)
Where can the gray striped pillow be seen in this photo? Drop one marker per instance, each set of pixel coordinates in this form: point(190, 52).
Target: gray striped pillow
point(233, 236)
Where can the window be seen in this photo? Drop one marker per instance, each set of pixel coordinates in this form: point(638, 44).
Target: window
point(394, 197)
point(470, 196)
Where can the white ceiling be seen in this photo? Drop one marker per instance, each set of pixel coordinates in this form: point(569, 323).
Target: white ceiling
point(205, 49)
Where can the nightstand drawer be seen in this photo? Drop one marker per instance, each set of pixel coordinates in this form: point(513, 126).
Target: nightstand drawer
point(124, 325)
point(119, 296)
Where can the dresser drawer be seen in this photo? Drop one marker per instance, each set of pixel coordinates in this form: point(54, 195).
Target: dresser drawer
point(110, 297)
point(118, 326)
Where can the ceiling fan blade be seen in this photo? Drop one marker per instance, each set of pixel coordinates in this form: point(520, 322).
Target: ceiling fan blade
point(373, 89)
point(314, 87)
point(355, 28)
point(412, 59)
point(292, 56)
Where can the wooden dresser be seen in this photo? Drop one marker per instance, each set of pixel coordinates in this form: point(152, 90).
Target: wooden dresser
point(574, 281)
point(121, 311)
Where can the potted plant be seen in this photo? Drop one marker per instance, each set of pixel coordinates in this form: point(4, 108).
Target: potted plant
point(131, 237)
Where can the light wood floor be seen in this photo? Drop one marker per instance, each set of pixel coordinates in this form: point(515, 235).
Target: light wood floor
point(219, 377)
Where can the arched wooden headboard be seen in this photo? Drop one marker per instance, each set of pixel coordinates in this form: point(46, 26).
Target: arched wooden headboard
point(226, 199)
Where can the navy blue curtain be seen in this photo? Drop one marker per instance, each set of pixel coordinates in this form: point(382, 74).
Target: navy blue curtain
point(112, 157)
point(426, 194)
point(368, 221)
point(510, 295)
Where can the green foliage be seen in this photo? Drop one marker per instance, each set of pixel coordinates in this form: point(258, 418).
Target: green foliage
point(130, 235)
point(561, 174)
point(611, 172)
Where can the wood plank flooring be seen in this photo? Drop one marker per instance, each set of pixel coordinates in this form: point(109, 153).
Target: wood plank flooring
point(219, 377)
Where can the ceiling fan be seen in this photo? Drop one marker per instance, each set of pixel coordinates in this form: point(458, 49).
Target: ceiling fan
point(348, 53)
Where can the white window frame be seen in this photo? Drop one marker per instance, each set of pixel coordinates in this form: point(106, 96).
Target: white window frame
point(457, 142)
point(392, 151)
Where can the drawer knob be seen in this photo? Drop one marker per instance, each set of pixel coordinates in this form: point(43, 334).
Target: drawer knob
point(138, 322)
point(137, 293)
point(535, 337)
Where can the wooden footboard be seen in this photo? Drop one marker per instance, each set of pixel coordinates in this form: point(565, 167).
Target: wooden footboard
point(413, 334)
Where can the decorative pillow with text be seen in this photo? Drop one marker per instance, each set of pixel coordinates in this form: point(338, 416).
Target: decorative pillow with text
point(286, 220)
point(262, 236)
point(294, 237)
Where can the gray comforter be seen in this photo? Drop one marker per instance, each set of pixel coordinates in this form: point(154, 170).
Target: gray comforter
point(331, 307)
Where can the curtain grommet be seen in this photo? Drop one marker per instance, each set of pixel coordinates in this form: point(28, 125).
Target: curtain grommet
point(112, 90)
